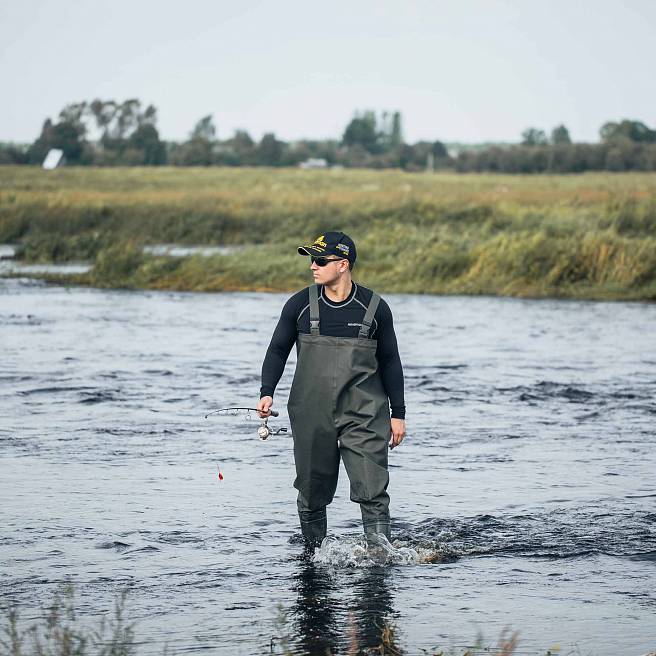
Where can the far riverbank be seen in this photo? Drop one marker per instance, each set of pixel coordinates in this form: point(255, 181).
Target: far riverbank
point(589, 236)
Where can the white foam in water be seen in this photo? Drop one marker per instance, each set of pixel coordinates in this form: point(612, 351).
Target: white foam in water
point(355, 552)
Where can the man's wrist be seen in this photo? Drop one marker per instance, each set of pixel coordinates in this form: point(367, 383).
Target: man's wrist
point(266, 391)
point(398, 412)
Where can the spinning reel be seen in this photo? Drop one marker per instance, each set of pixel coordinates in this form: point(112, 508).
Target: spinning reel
point(263, 431)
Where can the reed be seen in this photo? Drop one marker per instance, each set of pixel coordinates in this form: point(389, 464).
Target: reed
point(574, 236)
point(61, 631)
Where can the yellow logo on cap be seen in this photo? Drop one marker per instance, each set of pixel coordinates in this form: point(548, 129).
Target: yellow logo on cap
point(319, 240)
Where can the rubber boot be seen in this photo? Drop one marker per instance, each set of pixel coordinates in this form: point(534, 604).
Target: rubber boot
point(374, 529)
point(314, 525)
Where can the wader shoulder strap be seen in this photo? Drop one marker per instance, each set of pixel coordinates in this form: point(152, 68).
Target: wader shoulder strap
point(314, 309)
point(369, 316)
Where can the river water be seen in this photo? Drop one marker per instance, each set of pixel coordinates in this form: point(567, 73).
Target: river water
point(527, 477)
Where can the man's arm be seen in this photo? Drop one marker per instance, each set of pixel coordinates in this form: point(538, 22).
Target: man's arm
point(389, 360)
point(281, 344)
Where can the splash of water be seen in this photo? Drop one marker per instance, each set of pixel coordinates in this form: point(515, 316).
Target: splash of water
point(360, 552)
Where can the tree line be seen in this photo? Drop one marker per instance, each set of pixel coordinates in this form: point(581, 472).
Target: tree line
point(112, 133)
point(624, 146)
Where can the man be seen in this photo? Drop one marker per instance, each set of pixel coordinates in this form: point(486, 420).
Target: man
point(348, 367)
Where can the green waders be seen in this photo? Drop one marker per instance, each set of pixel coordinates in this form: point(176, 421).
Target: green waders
point(338, 406)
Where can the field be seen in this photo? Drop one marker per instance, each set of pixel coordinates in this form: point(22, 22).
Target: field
point(578, 236)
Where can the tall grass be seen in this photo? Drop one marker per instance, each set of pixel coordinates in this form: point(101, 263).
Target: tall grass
point(586, 236)
point(60, 631)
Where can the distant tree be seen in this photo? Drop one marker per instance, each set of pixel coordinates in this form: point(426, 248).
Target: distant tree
point(389, 136)
point(269, 151)
point(533, 137)
point(242, 141)
point(127, 118)
point(325, 149)
point(14, 153)
point(615, 159)
point(67, 135)
point(396, 136)
point(295, 153)
point(562, 158)
point(103, 112)
point(120, 127)
point(439, 151)
point(610, 131)
point(356, 156)
point(145, 140)
point(148, 116)
point(198, 150)
point(116, 120)
point(560, 135)
point(627, 130)
point(418, 156)
point(74, 114)
point(305, 148)
point(204, 129)
point(620, 154)
point(407, 156)
point(361, 131)
point(239, 150)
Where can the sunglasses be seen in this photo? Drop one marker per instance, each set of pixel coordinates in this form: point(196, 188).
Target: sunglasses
point(322, 261)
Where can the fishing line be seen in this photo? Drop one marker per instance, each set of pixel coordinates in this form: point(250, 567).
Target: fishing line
point(263, 431)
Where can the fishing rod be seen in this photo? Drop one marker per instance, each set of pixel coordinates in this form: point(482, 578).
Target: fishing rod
point(264, 430)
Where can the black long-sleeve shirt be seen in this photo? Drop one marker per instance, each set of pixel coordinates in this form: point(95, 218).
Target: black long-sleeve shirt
point(337, 320)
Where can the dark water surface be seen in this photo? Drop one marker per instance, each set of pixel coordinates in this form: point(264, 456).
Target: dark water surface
point(528, 473)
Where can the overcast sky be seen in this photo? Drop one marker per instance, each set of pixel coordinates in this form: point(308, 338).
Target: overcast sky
point(458, 70)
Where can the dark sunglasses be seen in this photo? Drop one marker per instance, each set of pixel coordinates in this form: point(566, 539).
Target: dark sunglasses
point(322, 261)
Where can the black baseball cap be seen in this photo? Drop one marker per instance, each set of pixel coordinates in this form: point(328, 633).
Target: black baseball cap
point(331, 243)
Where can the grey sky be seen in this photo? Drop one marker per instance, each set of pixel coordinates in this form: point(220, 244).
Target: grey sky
point(458, 70)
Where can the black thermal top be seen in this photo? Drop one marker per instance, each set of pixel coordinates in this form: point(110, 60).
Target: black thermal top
point(337, 320)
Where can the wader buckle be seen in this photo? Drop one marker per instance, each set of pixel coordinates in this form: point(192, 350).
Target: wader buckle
point(364, 329)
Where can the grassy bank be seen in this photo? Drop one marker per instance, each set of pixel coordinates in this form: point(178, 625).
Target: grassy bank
point(587, 236)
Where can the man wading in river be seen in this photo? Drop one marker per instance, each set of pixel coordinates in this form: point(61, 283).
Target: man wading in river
point(348, 366)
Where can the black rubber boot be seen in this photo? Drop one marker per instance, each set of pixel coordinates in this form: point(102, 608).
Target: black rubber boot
point(314, 525)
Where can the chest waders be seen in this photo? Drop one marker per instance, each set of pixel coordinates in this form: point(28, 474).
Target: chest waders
point(338, 407)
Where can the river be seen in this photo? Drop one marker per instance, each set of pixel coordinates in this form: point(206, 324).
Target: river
point(526, 479)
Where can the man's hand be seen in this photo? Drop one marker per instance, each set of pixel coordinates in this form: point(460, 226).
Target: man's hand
point(398, 432)
point(263, 406)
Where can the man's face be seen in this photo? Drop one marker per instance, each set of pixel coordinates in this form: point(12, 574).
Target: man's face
point(329, 274)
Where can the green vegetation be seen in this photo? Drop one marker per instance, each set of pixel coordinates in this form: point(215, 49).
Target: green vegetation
point(112, 133)
point(587, 236)
point(60, 631)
